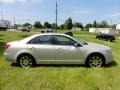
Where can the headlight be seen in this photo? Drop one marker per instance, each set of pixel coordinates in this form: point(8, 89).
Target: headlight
point(109, 51)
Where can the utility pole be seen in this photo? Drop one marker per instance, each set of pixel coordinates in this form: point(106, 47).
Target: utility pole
point(2, 17)
point(14, 21)
point(56, 15)
point(2, 23)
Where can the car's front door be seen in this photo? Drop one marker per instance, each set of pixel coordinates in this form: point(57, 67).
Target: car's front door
point(66, 52)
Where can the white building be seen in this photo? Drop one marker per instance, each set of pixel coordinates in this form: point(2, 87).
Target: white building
point(104, 30)
point(118, 27)
point(5, 24)
point(76, 29)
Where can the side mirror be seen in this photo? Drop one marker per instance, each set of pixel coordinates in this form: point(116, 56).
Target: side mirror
point(77, 45)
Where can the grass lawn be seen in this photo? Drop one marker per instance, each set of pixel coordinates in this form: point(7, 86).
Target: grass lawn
point(75, 77)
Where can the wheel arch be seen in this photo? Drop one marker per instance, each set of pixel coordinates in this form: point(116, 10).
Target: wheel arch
point(17, 59)
point(95, 53)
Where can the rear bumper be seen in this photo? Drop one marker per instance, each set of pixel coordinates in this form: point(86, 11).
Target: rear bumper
point(9, 57)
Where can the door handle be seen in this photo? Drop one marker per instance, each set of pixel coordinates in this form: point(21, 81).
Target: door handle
point(32, 48)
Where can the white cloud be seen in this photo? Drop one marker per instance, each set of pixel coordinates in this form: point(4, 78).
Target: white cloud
point(116, 14)
point(14, 1)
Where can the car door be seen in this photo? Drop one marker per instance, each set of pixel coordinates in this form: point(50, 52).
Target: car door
point(42, 47)
point(66, 51)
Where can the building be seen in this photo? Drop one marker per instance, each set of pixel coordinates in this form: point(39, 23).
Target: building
point(5, 24)
point(104, 30)
point(118, 27)
point(76, 29)
point(99, 30)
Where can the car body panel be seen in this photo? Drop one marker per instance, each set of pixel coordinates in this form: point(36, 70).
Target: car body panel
point(56, 54)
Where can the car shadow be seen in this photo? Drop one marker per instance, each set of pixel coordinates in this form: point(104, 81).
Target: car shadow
point(59, 65)
point(14, 65)
point(51, 65)
point(112, 64)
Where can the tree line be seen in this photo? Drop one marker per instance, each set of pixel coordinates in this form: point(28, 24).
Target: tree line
point(68, 24)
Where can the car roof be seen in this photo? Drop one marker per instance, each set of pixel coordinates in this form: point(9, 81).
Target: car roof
point(50, 34)
point(47, 30)
point(41, 34)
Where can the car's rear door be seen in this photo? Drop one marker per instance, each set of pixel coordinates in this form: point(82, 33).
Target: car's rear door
point(42, 48)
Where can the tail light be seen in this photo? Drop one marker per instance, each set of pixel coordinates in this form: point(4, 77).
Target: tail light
point(7, 46)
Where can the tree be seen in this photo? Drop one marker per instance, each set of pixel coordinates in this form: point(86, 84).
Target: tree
point(113, 26)
point(28, 25)
point(53, 25)
point(16, 26)
point(104, 24)
point(78, 25)
point(68, 24)
point(89, 25)
point(47, 25)
point(95, 24)
point(61, 26)
point(37, 24)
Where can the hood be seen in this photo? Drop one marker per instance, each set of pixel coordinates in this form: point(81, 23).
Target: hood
point(97, 46)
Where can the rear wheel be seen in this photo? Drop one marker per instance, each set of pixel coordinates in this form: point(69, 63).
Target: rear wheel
point(26, 61)
point(110, 40)
point(107, 39)
point(97, 38)
point(95, 60)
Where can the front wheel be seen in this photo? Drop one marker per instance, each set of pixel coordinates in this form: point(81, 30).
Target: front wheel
point(95, 60)
point(26, 61)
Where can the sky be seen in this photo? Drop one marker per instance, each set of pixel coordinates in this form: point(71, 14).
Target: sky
point(84, 11)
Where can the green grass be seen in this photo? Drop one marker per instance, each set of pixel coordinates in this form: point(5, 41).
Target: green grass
point(49, 77)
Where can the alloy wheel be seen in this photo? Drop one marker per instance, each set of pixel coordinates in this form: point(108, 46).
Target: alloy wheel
point(95, 61)
point(26, 61)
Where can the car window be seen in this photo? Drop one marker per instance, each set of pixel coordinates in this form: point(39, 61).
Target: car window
point(45, 39)
point(62, 40)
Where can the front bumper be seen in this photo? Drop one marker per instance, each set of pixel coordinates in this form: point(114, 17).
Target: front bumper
point(109, 58)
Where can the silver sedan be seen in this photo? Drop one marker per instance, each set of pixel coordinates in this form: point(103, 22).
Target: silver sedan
point(56, 48)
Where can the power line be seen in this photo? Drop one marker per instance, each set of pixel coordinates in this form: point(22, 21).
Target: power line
point(13, 20)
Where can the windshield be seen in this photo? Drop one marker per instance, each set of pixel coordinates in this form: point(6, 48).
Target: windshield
point(80, 42)
point(84, 43)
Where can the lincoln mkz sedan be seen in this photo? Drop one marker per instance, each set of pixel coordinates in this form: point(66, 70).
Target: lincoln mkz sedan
point(56, 48)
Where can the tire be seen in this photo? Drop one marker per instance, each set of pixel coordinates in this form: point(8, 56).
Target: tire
point(95, 60)
point(96, 37)
point(26, 61)
point(107, 39)
point(110, 40)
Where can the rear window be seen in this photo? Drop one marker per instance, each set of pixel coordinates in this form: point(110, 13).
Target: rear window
point(41, 40)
